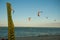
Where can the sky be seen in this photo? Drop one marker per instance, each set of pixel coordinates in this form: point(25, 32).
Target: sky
point(23, 9)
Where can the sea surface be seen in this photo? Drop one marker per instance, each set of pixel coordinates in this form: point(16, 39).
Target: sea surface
point(30, 31)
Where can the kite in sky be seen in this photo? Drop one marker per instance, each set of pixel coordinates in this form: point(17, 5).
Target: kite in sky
point(39, 13)
point(29, 18)
point(46, 17)
point(54, 20)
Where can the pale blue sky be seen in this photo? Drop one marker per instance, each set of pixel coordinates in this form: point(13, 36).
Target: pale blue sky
point(29, 8)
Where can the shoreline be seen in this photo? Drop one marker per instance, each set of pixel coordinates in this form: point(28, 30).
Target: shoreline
point(39, 37)
point(44, 37)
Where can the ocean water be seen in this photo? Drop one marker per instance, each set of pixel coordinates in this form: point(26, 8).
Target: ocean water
point(30, 31)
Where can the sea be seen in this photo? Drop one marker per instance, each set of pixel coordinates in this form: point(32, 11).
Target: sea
point(30, 31)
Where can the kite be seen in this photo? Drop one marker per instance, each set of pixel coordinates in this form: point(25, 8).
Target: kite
point(46, 17)
point(54, 20)
point(39, 13)
point(29, 18)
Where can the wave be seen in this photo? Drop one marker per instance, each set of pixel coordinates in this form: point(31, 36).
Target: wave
point(21, 34)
